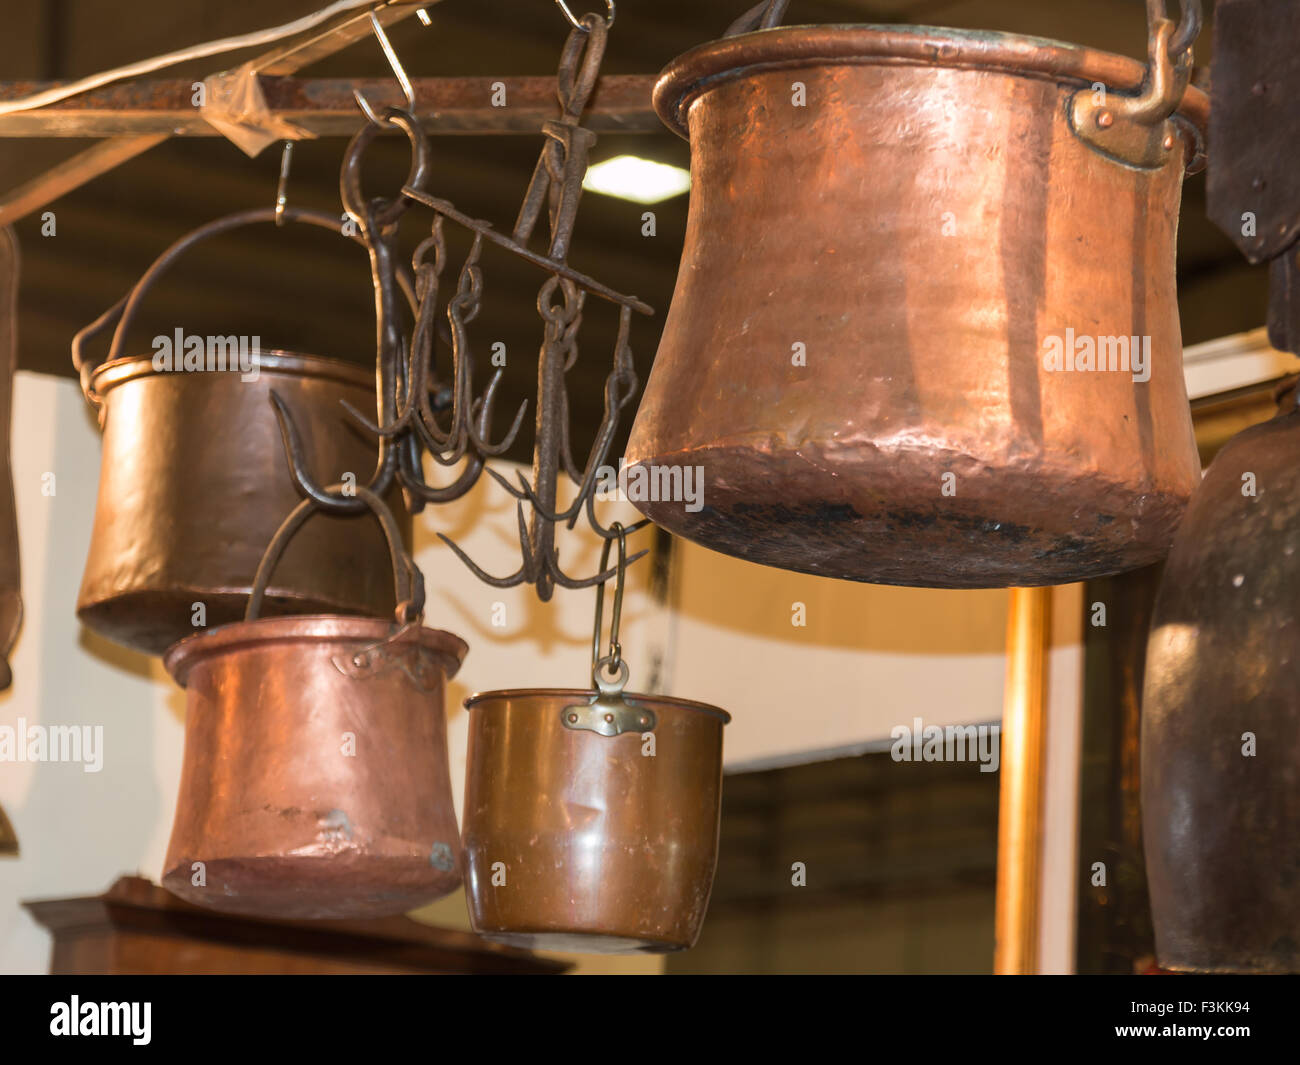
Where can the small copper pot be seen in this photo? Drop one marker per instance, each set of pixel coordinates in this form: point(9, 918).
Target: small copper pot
point(889, 228)
point(1221, 715)
point(190, 493)
point(579, 840)
point(315, 781)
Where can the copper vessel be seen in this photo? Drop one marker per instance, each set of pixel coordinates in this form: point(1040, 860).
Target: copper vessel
point(893, 233)
point(1221, 715)
point(315, 781)
point(192, 486)
point(579, 841)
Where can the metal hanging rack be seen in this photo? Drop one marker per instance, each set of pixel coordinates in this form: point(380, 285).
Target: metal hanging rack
point(409, 424)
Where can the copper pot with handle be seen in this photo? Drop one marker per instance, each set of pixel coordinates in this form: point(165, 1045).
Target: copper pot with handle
point(908, 251)
point(591, 816)
point(190, 492)
point(315, 780)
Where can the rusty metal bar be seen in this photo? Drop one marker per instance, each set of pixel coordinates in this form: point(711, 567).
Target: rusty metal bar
point(129, 141)
point(554, 266)
point(325, 106)
point(1020, 806)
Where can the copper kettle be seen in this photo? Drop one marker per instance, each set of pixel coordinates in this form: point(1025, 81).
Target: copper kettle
point(315, 781)
point(1221, 715)
point(925, 329)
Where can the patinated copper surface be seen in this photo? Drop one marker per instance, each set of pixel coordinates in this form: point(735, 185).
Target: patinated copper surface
point(1220, 811)
point(920, 227)
point(315, 781)
point(193, 484)
point(603, 849)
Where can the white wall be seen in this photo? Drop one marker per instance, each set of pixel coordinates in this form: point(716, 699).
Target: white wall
point(869, 658)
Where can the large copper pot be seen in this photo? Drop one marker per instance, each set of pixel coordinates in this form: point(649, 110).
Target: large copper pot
point(891, 230)
point(192, 485)
point(315, 781)
point(1221, 715)
point(579, 841)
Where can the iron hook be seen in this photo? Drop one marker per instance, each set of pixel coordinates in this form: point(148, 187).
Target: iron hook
point(282, 189)
point(577, 23)
point(399, 72)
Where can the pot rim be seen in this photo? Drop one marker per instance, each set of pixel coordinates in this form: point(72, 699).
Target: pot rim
point(184, 655)
point(271, 360)
point(585, 693)
point(694, 72)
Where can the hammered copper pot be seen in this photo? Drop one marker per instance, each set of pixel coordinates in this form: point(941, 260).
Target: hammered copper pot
point(580, 841)
point(315, 781)
point(1221, 716)
point(890, 231)
point(193, 483)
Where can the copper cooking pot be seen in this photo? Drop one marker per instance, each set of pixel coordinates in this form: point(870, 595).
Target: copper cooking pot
point(892, 232)
point(191, 486)
point(1221, 715)
point(315, 781)
point(591, 818)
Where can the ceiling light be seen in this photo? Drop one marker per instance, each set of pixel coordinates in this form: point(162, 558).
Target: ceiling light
point(640, 180)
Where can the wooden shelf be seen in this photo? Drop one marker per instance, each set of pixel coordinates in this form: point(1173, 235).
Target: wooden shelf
point(137, 927)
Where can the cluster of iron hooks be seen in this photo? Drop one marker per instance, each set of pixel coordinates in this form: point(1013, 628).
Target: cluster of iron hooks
point(424, 407)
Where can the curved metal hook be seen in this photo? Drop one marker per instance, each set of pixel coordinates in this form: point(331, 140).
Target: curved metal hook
point(577, 23)
point(399, 72)
point(1189, 24)
point(323, 498)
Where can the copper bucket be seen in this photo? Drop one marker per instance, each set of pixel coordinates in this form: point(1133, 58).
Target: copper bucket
point(894, 233)
point(188, 494)
point(1221, 715)
point(591, 818)
point(315, 781)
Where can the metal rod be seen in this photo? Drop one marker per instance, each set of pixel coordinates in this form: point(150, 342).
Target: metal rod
point(131, 138)
point(326, 107)
point(1020, 804)
point(72, 173)
point(444, 207)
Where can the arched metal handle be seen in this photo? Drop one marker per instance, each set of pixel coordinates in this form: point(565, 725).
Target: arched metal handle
point(408, 581)
point(122, 313)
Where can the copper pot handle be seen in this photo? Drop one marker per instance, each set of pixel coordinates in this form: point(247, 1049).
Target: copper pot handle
point(770, 13)
point(123, 312)
point(408, 581)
